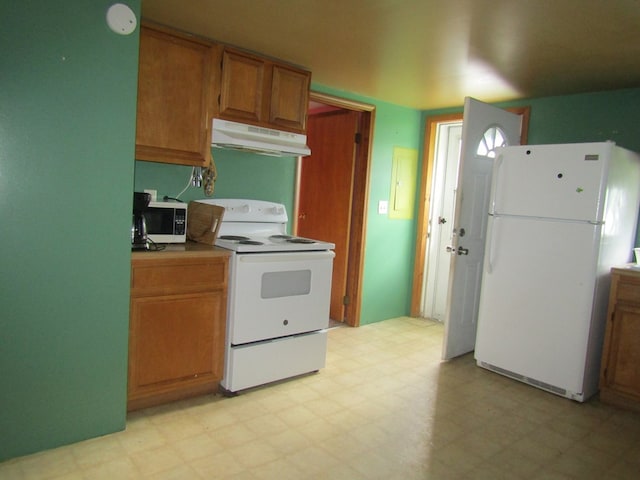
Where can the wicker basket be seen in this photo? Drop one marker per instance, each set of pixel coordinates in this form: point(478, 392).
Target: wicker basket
point(203, 222)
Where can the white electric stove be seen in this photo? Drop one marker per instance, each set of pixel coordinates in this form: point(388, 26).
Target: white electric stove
point(278, 299)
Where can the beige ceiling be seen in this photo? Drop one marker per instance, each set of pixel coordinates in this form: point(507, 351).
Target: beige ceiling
point(431, 53)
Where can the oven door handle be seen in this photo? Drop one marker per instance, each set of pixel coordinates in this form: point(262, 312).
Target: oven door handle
point(286, 257)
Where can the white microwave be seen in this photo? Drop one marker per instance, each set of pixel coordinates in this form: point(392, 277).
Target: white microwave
point(166, 222)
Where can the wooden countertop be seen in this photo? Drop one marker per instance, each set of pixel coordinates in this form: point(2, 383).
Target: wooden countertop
point(181, 250)
point(628, 269)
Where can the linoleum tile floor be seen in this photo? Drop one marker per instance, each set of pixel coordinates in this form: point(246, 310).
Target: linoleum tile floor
point(385, 407)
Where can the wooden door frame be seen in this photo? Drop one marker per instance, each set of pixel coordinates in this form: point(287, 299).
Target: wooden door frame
point(424, 203)
point(359, 196)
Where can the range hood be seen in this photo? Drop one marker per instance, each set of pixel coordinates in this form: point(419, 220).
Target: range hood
point(264, 141)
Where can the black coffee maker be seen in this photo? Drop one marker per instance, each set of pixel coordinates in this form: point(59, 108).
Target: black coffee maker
point(139, 239)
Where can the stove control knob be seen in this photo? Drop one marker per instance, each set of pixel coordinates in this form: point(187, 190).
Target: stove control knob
point(279, 210)
point(245, 208)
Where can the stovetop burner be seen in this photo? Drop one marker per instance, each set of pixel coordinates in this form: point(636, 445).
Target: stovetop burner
point(250, 242)
point(300, 240)
point(291, 239)
point(233, 237)
point(241, 239)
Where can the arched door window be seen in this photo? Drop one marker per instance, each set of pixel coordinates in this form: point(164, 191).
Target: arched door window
point(492, 138)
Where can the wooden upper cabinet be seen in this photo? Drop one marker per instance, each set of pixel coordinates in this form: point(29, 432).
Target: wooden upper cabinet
point(241, 87)
point(289, 98)
point(263, 92)
point(176, 97)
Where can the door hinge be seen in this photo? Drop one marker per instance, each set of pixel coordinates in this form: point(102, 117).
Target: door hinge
point(346, 300)
point(358, 138)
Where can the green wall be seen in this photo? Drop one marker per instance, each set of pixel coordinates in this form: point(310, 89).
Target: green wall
point(67, 124)
point(240, 175)
point(590, 117)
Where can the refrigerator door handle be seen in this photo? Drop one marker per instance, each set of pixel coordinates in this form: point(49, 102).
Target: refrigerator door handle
point(494, 183)
point(489, 262)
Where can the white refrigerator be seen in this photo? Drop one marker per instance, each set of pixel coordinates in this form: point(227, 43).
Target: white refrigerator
point(560, 217)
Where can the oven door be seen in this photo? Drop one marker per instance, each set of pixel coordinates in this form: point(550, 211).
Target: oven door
point(279, 294)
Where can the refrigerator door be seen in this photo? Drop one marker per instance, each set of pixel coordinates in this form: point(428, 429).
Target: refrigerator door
point(555, 181)
point(536, 302)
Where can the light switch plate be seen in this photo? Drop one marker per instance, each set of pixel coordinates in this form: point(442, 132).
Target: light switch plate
point(383, 207)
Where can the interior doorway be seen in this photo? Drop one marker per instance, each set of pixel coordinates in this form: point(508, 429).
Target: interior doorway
point(324, 199)
point(332, 190)
point(448, 137)
point(420, 296)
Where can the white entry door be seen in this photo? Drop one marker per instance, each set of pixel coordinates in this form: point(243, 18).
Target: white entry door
point(484, 128)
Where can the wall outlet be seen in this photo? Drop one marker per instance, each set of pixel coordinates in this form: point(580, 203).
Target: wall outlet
point(153, 193)
point(383, 207)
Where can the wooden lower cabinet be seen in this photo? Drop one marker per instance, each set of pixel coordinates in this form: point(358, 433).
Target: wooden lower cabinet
point(620, 373)
point(177, 328)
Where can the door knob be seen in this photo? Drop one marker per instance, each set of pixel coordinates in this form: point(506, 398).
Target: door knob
point(463, 251)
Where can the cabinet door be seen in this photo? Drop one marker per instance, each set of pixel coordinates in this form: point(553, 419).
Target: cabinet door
point(175, 340)
point(289, 98)
point(261, 92)
point(242, 87)
point(623, 360)
point(174, 99)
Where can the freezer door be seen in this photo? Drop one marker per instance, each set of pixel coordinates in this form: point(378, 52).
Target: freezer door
point(536, 300)
point(556, 181)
